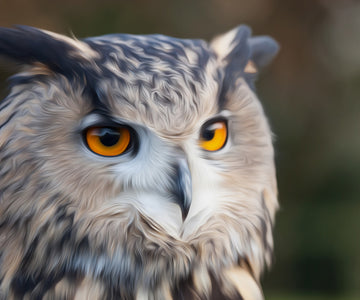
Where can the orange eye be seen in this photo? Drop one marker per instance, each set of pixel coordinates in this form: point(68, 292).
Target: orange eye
point(214, 136)
point(108, 141)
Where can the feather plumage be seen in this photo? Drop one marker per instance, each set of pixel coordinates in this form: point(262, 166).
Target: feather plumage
point(164, 220)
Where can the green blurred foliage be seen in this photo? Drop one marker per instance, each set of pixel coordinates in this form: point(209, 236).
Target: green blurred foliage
point(311, 96)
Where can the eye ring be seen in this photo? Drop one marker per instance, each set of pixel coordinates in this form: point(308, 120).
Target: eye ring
point(107, 140)
point(214, 135)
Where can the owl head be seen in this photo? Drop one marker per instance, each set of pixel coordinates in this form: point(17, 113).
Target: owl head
point(134, 166)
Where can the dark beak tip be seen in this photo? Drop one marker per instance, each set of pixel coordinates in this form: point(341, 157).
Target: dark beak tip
point(183, 187)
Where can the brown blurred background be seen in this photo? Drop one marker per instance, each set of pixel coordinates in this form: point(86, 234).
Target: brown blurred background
point(311, 95)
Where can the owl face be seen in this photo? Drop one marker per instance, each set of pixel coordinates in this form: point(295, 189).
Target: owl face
point(133, 161)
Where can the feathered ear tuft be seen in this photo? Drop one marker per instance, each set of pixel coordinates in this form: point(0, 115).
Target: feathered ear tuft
point(263, 49)
point(232, 47)
point(243, 55)
point(30, 46)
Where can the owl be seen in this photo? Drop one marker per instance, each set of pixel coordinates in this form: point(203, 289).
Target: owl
point(135, 167)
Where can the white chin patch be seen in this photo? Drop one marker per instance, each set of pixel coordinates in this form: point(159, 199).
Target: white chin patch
point(159, 208)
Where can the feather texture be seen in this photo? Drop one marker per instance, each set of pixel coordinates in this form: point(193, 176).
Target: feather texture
point(166, 219)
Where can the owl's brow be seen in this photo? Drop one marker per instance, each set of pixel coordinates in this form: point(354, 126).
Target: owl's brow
point(95, 95)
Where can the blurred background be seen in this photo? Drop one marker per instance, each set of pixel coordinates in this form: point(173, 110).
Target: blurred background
point(311, 96)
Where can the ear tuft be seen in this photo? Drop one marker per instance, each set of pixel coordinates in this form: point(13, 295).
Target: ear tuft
point(242, 55)
point(233, 45)
point(263, 50)
point(30, 46)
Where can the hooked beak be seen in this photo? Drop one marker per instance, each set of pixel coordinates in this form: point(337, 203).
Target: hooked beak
point(183, 186)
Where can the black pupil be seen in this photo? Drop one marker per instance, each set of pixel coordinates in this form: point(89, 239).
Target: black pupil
point(208, 135)
point(109, 137)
